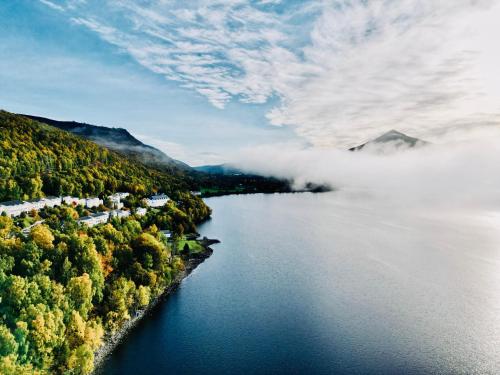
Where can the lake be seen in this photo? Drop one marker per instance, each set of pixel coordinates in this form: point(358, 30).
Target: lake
point(330, 283)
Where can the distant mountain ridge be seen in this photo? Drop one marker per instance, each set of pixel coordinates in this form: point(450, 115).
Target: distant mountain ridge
point(117, 139)
point(219, 169)
point(393, 139)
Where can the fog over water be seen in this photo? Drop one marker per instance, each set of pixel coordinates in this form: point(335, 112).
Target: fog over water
point(341, 282)
point(453, 175)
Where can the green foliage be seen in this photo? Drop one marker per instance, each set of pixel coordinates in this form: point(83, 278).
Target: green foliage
point(61, 290)
point(63, 287)
point(188, 247)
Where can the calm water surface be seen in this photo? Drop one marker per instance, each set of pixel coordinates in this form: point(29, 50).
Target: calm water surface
point(326, 283)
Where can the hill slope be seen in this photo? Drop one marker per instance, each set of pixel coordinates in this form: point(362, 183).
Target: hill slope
point(392, 139)
point(117, 139)
point(37, 160)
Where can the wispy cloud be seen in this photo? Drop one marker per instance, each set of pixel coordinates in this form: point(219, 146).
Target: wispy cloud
point(343, 70)
point(410, 65)
point(52, 5)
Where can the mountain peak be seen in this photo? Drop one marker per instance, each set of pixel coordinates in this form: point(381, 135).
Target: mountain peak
point(393, 139)
point(394, 132)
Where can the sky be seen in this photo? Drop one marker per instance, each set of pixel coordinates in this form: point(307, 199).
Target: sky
point(207, 81)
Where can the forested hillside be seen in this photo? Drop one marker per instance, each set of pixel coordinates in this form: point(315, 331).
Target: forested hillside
point(37, 159)
point(65, 287)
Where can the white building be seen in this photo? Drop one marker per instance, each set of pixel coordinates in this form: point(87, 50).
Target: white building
point(93, 202)
point(39, 203)
point(141, 211)
point(197, 193)
point(16, 208)
point(34, 204)
point(99, 218)
point(52, 201)
point(13, 208)
point(166, 233)
point(157, 200)
point(116, 200)
point(116, 204)
point(73, 201)
point(119, 213)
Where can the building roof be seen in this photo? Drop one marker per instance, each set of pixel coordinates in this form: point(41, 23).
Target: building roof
point(159, 196)
point(11, 203)
point(99, 214)
point(35, 200)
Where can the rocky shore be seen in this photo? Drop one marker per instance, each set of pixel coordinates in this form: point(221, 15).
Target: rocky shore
point(112, 341)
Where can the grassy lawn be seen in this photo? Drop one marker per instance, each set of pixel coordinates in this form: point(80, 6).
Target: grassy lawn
point(25, 222)
point(194, 246)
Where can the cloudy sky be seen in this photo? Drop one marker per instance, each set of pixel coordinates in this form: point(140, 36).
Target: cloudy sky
point(204, 79)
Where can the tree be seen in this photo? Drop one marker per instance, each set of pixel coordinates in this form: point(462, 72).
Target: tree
point(87, 260)
point(80, 294)
point(45, 333)
point(42, 236)
point(93, 334)
point(75, 330)
point(81, 360)
point(185, 249)
point(8, 344)
point(143, 296)
point(148, 248)
point(121, 299)
point(6, 225)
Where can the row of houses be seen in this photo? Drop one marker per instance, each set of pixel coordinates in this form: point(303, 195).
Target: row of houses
point(86, 202)
point(103, 217)
point(16, 208)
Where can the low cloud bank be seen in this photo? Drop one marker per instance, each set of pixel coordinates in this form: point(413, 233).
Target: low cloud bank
point(460, 175)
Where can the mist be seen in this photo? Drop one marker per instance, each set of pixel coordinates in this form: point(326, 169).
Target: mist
point(451, 176)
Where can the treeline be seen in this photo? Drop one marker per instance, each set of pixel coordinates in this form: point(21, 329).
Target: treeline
point(218, 184)
point(64, 286)
point(38, 160)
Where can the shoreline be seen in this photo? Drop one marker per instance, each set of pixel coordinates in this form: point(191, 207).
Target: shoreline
point(112, 341)
point(317, 190)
